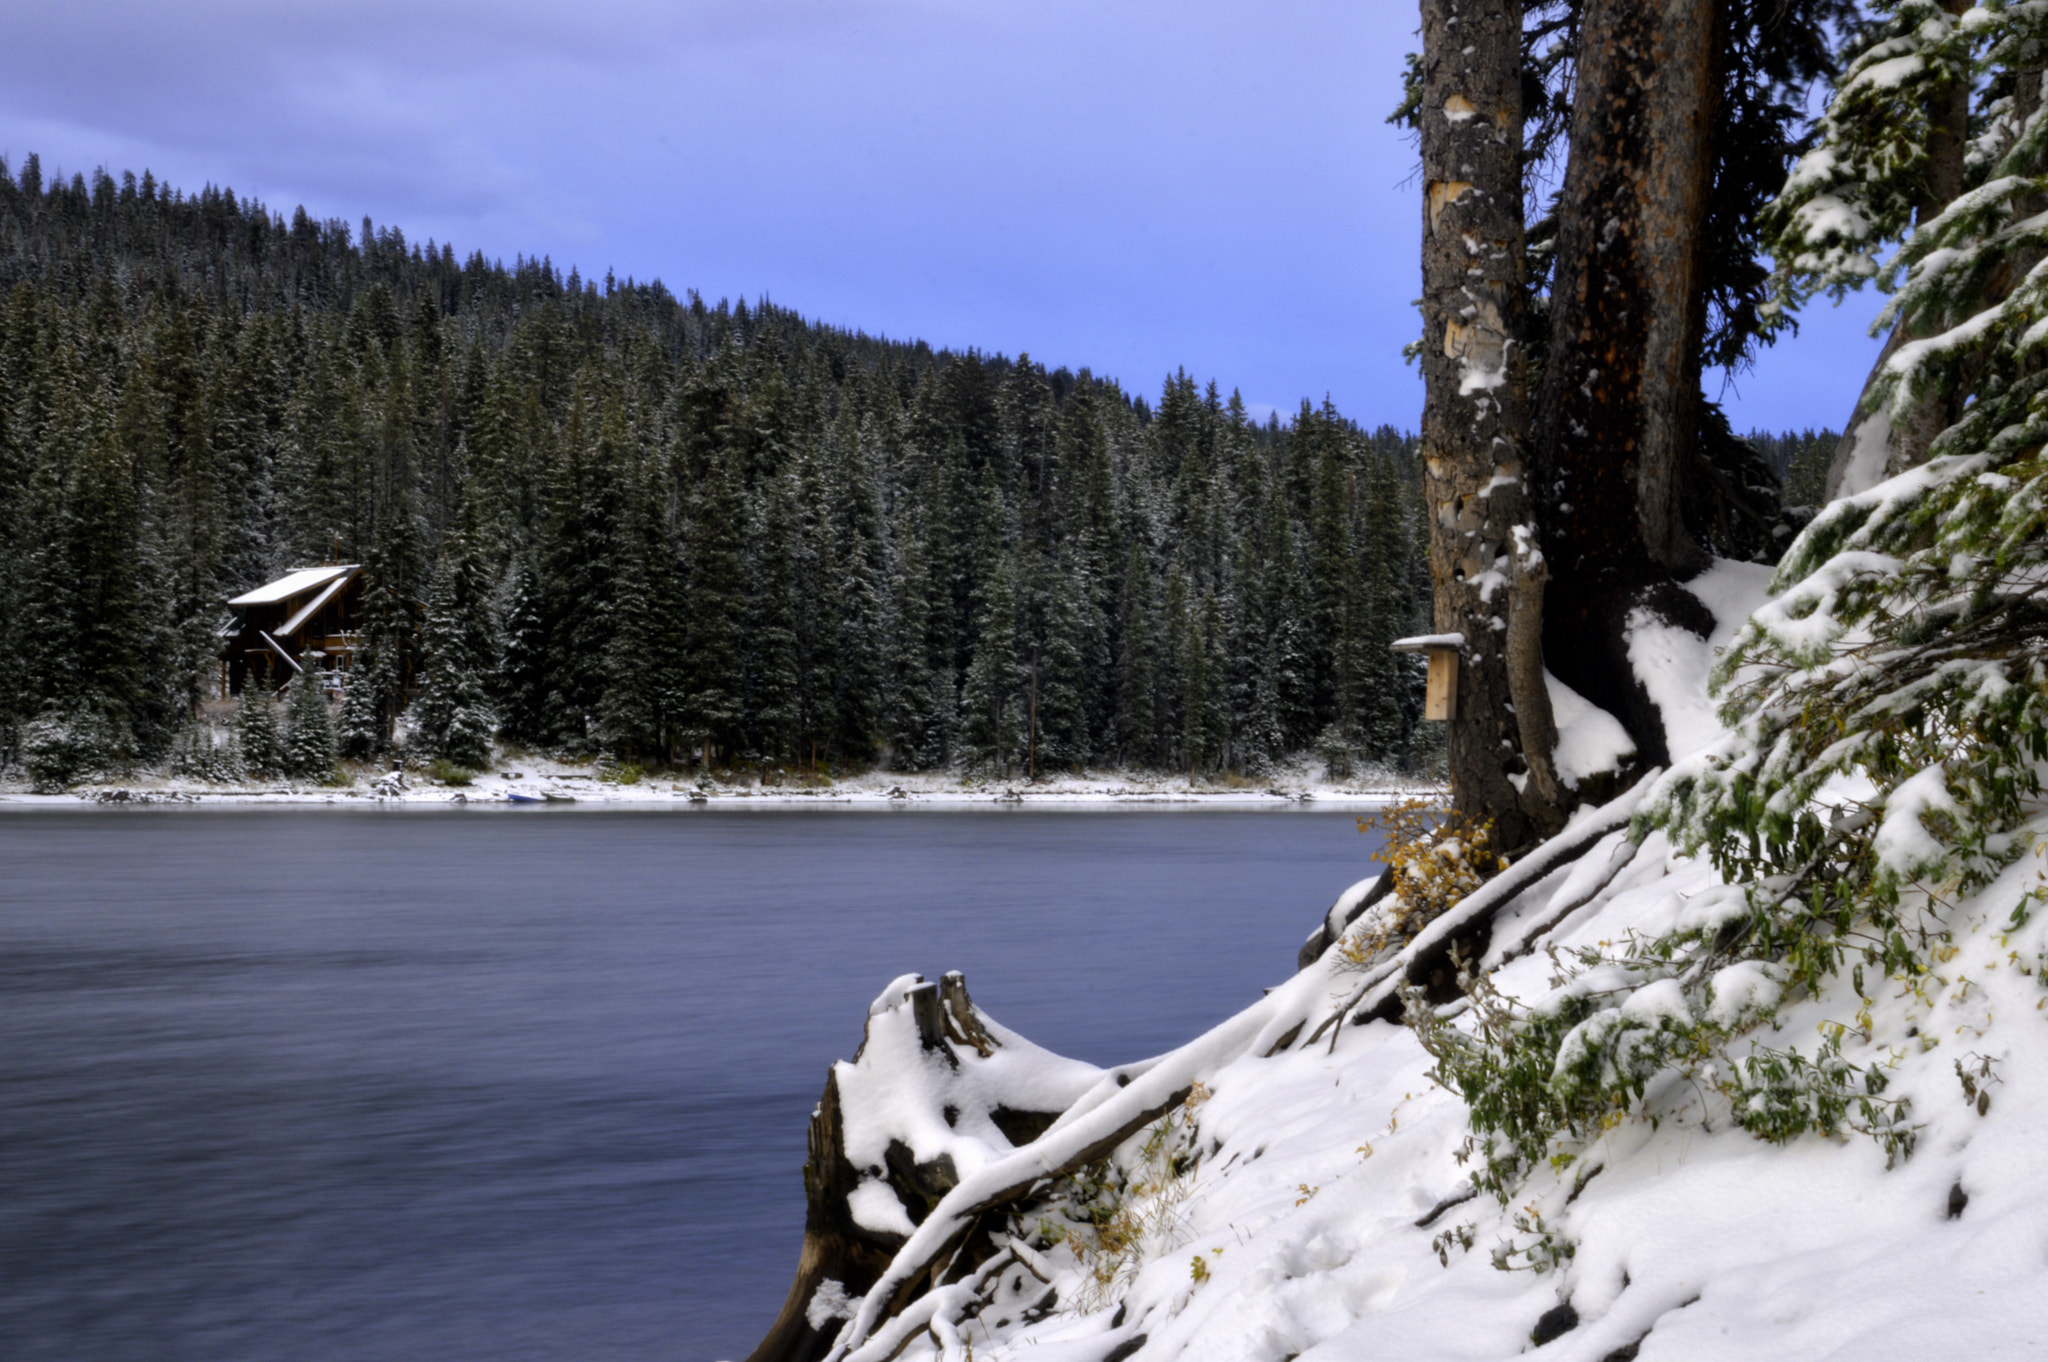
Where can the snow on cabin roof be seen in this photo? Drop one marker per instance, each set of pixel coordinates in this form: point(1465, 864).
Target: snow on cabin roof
point(312, 608)
point(294, 583)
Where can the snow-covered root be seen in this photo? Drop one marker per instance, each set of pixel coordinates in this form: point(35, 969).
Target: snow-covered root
point(1127, 1100)
point(939, 1312)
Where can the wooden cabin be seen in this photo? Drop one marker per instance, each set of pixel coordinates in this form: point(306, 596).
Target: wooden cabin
point(304, 622)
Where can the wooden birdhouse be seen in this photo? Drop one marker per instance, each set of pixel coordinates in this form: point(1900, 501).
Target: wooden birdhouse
point(1440, 695)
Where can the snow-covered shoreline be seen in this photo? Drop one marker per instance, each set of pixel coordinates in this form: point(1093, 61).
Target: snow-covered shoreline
point(556, 784)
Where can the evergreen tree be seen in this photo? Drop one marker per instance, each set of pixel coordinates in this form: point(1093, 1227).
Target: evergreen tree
point(107, 597)
point(854, 609)
point(774, 683)
point(580, 567)
point(258, 743)
point(394, 570)
point(989, 721)
point(1291, 670)
point(910, 721)
point(638, 708)
point(1177, 646)
point(49, 607)
point(1379, 713)
point(1333, 576)
point(522, 679)
point(195, 756)
point(360, 734)
point(1060, 671)
point(453, 715)
point(1138, 667)
point(715, 595)
point(1205, 705)
point(817, 594)
point(310, 749)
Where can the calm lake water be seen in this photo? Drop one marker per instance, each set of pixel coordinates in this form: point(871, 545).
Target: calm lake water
point(508, 1084)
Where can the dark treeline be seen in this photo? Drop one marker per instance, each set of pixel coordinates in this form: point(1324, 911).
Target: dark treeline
point(596, 517)
point(1800, 459)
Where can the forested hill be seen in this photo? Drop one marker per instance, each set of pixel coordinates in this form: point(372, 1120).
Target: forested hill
point(599, 516)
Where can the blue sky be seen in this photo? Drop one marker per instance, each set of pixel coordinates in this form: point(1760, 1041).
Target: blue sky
point(1128, 186)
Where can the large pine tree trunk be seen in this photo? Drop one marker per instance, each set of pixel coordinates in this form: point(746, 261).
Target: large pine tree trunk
point(1484, 561)
point(1619, 407)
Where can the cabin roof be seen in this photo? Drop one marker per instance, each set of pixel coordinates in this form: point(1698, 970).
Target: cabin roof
point(295, 583)
point(312, 607)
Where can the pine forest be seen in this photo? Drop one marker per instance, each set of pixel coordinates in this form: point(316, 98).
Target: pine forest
point(595, 518)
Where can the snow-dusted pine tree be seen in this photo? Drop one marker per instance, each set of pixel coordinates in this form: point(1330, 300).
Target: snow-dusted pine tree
point(989, 725)
point(1907, 647)
point(1891, 152)
point(257, 740)
point(196, 756)
point(773, 680)
point(309, 745)
point(910, 725)
point(453, 713)
point(522, 681)
point(359, 733)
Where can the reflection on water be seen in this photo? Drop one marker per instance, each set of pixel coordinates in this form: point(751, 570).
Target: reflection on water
point(531, 1083)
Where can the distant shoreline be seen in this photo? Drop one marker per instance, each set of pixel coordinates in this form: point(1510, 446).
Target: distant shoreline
point(552, 786)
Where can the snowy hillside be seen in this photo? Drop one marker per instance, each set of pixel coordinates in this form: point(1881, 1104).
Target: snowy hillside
point(1313, 1189)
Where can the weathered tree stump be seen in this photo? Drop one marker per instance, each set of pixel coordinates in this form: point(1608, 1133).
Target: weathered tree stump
point(935, 1084)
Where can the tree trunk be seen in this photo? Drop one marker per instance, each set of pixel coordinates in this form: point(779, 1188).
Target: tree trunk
point(1484, 560)
point(1620, 405)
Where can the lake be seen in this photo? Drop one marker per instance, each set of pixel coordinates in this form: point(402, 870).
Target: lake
point(534, 1083)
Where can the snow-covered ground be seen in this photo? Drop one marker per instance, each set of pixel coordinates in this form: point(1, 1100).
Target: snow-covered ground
point(587, 783)
point(1313, 1198)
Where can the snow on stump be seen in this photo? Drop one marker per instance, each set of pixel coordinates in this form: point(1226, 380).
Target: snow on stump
point(935, 1092)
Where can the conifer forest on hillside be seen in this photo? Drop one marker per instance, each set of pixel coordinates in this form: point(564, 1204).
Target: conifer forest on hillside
point(596, 518)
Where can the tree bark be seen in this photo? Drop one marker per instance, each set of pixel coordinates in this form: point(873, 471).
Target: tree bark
point(1620, 400)
point(1485, 561)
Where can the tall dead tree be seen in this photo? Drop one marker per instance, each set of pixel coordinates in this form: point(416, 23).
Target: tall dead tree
point(1487, 568)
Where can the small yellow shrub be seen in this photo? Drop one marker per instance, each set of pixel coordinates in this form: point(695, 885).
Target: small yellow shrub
point(1437, 856)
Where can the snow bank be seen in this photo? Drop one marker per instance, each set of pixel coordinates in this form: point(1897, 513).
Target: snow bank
point(1589, 739)
point(536, 779)
point(1673, 663)
point(1314, 1224)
